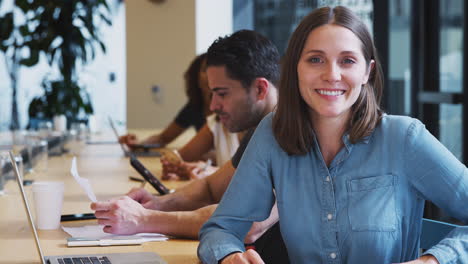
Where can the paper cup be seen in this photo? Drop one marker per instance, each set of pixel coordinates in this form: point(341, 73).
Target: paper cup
point(48, 200)
point(60, 123)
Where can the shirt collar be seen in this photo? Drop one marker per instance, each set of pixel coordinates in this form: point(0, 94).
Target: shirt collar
point(347, 142)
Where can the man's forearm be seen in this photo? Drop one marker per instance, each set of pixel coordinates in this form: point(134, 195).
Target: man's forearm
point(184, 224)
point(190, 197)
point(198, 193)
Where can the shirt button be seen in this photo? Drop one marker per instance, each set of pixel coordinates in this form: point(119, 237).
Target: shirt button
point(329, 216)
point(333, 255)
point(327, 179)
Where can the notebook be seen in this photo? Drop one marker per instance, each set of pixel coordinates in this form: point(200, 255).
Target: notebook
point(142, 149)
point(108, 258)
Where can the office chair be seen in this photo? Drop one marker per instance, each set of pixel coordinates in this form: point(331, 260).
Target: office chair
point(433, 231)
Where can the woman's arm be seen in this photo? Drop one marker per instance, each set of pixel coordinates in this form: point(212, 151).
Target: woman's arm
point(163, 138)
point(166, 136)
point(440, 177)
point(200, 144)
point(241, 204)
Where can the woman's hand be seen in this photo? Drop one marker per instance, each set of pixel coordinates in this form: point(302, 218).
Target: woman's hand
point(128, 139)
point(185, 170)
point(176, 170)
point(202, 169)
point(249, 257)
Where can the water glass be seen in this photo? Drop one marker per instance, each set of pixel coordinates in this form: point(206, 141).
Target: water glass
point(3, 162)
point(37, 153)
point(42, 156)
point(44, 129)
point(6, 170)
point(19, 164)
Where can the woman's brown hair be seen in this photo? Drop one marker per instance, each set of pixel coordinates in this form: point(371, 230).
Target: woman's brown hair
point(291, 123)
point(192, 75)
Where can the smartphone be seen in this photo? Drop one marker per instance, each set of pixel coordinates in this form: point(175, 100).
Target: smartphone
point(136, 164)
point(77, 217)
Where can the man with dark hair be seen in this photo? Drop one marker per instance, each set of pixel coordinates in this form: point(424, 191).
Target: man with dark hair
point(242, 70)
point(247, 55)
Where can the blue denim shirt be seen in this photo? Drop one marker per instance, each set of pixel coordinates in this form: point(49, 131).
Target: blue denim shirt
point(366, 207)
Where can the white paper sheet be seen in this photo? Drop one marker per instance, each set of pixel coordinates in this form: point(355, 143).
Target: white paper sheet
point(96, 232)
point(83, 182)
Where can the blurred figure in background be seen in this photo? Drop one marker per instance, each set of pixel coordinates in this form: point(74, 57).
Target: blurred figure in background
point(194, 113)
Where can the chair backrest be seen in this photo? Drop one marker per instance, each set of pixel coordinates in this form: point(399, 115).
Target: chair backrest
point(433, 232)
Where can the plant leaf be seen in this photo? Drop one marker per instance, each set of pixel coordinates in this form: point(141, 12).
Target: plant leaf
point(23, 5)
point(6, 26)
point(32, 60)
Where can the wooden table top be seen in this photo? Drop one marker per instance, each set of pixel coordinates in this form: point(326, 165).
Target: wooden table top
point(108, 171)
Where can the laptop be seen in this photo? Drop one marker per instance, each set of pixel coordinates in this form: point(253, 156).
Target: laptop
point(107, 258)
point(143, 150)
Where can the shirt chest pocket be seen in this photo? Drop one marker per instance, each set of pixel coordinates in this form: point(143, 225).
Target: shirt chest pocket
point(372, 203)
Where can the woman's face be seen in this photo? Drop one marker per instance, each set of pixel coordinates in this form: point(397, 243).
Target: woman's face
point(203, 80)
point(331, 71)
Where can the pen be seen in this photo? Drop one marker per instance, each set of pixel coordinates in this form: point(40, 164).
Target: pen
point(207, 164)
point(143, 182)
point(136, 179)
point(177, 154)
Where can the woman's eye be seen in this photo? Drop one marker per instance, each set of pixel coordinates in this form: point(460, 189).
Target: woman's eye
point(348, 61)
point(315, 60)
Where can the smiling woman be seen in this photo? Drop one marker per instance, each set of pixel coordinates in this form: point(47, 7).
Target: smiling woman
point(331, 72)
point(340, 55)
point(349, 181)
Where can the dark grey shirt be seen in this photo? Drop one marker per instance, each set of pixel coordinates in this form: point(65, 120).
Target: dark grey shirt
point(242, 145)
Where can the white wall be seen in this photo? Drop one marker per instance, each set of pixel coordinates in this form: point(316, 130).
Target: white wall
point(213, 18)
point(162, 39)
point(160, 45)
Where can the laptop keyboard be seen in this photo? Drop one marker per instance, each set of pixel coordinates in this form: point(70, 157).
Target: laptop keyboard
point(85, 260)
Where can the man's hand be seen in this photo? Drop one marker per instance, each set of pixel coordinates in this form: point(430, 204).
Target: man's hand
point(426, 259)
point(142, 196)
point(249, 257)
point(122, 216)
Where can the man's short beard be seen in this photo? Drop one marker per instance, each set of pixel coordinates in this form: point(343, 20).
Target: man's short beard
point(250, 120)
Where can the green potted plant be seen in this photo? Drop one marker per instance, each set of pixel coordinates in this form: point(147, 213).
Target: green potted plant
point(67, 32)
point(12, 46)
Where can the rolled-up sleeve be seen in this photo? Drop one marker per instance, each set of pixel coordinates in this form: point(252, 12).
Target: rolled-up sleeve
point(249, 198)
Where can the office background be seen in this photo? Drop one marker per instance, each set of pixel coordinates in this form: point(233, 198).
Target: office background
point(139, 81)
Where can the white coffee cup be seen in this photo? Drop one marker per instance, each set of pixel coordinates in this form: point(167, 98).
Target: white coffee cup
point(60, 123)
point(48, 200)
